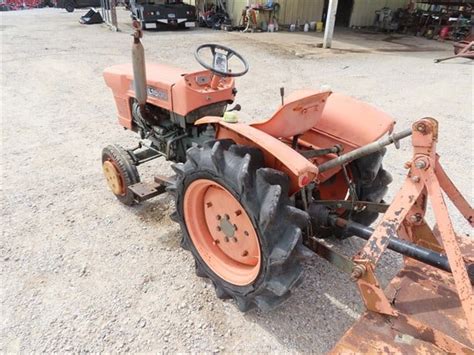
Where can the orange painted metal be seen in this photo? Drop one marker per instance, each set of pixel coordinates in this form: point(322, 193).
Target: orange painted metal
point(324, 119)
point(215, 82)
point(429, 319)
point(222, 232)
point(195, 90)
point(369, 287)
point(347, 122)
point(171, 88)
point(453, 252)
point(422, 235)
point(371, 334)
point(114, 178)
point(277, 154)
point(335, 188)
point(454, 195)
point(301, 112)
point(352, 122)
point(426, 303)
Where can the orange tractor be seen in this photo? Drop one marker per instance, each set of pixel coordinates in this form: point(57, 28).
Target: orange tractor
point(252, 199)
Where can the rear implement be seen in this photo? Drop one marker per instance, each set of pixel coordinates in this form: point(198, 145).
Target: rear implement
point(423, 308)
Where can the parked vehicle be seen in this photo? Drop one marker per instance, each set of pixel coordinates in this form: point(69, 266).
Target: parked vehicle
point(154, 14)
point(70, 5)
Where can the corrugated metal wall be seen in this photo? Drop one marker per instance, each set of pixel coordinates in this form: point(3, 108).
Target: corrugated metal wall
point(363, 12)
point(290, 11)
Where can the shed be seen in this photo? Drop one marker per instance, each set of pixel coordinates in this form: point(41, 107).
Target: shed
point(349, 12)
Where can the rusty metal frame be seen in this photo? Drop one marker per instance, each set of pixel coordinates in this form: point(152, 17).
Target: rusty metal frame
point(465, 52)
point(405, 217)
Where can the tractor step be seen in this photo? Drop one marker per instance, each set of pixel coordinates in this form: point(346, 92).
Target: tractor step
point(165, 180)
point(144, 190)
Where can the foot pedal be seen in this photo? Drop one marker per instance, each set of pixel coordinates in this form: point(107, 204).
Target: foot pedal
point(145, 190)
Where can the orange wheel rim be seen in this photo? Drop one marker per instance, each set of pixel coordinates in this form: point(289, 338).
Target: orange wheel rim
point(222, 232)
point(113, 177)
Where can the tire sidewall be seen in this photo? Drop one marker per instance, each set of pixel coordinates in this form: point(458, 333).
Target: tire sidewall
point(69, 5)
point(247, 205)
point(129, 175)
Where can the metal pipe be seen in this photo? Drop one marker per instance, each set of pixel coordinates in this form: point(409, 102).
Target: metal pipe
point(330, 23)
point(139, 69)
point(425, 255)
point(365, 150)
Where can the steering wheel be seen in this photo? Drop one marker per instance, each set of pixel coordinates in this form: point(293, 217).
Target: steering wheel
point(220, 60)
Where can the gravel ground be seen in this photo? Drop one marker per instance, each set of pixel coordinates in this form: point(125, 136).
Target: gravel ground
point(80, 272)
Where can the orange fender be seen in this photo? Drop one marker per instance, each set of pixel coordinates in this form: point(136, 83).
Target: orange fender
point(353, 122)
point(277, 154)
point(348, 122)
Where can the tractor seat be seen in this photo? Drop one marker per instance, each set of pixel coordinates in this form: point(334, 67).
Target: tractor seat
point(301, 111)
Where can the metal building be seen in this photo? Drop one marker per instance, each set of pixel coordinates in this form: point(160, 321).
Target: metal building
point(349, 12)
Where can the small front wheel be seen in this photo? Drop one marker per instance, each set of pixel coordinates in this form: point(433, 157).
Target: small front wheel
point(120, 173)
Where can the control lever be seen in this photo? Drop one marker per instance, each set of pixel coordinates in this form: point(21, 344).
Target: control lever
point(235, 108)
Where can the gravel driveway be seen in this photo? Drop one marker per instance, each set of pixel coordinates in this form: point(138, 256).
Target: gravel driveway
point(80, 272)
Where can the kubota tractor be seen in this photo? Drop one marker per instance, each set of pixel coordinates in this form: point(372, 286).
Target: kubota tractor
point(251, 199)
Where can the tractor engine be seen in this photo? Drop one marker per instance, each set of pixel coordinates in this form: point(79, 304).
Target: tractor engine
point(168, 134)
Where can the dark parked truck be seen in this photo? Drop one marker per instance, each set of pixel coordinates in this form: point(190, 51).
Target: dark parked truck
point(70, 5)
point(160, 13)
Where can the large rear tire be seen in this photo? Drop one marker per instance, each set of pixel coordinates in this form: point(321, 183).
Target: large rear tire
point(371, 184)
point(238, 222)
point(370, 181)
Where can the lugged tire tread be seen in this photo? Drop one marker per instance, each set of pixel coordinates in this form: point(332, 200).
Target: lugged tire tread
point(372, 180)
point(264, 194)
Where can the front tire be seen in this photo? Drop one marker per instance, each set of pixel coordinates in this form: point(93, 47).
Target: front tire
point(120, 173)
point(259, 267)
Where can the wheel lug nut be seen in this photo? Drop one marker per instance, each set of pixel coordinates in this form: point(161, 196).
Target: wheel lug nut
point(226, 239)
point(234, 239)
point(226, 216)
point(217, 241)
point(245, 253)
point(219, 228)
point(235, 227)
point(238, 213)
point(246, 233)
point(209, 204)
point(218, 217)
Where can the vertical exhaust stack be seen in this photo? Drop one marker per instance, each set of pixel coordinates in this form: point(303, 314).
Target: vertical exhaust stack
point(139, 69)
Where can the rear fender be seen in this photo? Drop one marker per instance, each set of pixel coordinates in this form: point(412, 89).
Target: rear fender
point(349, 123)
point(277, 154)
